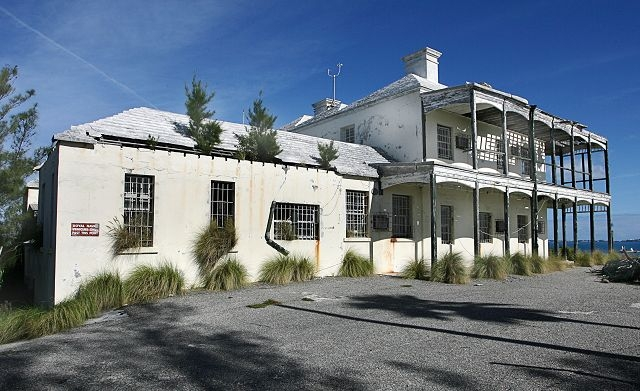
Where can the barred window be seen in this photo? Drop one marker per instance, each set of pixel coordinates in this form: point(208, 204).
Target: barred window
point(222, 202)
point(542, 227)
point(446, 224)
point(138, 207)
point(526, 167)
point(296, 221)
point(523, 234)
point(401, 224)
point(485, 227)
point(444, 143)
point(348, 134)
point(357, 216)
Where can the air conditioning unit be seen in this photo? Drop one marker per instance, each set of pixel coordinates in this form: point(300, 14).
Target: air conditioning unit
point(380, 221)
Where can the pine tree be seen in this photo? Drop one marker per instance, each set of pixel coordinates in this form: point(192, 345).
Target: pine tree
point(260, 142)
point(17, 159)
point(204, 130)
point(327, 153)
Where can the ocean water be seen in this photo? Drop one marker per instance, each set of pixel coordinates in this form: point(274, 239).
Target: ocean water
point(600, 245)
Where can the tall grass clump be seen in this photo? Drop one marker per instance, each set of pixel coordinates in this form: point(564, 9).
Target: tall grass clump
point(583, 258)
point(416, 269)
point(489, 266)
point(102, 292)
point(613, 256)
point(519, 264)
point(556, 263)
point(227, 275)
point(146, 283)
point(284, 269)
point(16, 324)
point(598, 258)
point(355, 265)
point(212, 243)
point(538, 264)
point(450, 269)
point(121, 237)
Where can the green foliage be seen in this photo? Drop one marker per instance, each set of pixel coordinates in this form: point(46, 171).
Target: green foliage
point(327, 153)
point(613, 256)
point(355, 265)
point(598, 258)
point(416, 269)
point(147, 283)
point(568, 253)
point(538, 265)
point(260, 142)
point(556, 263)
point(202, 127)
point(489, 266)
point(17, 157)
point(227, 275)
point(121, 237)
point(519, 264)
point(450, 269)
point(583, 258)
point(102, 292)
point(213, 243)
point(17, 324)
point(1, 276)
point(283, 269)
point(284, 230)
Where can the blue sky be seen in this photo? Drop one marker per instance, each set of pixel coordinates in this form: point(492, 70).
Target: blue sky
point(575, 59)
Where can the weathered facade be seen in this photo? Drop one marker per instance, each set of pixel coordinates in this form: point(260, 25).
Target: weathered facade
point(479, 168)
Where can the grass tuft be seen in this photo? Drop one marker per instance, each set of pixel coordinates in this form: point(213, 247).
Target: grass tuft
point(265, 303)
point(102, 292)
point(450, 269)
point(304, 270)
point(146, 283)
point(538, 264)
point(598, 258)
point(355, 265)
point(556, 263)
point(489, 266)
point(212, 244)
point(227, 275)
point(121, 237)
point(416, 269)
point(283, 269)
point(519, 264)
point(583, 258)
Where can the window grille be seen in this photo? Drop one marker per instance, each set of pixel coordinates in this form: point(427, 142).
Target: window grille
point(296, 221)
point(446, 224)
point(462, 142)
point(526, 167)
point(380, 221)
point(500, 226)
point(523, 234)
point(348, 134)
point(542, 227)
point(222, 202)
point(485, 227)
point(138, 207)
point(401, 224)
point(357, 217)
point(444, 143)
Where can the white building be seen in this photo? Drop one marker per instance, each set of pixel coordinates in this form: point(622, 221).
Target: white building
point(423, 169)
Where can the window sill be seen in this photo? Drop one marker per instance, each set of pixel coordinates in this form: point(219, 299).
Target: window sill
point(357, 239)
point(393, 239)
point(141, 251)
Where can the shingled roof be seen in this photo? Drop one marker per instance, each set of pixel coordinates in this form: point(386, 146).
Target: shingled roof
point(139, 124)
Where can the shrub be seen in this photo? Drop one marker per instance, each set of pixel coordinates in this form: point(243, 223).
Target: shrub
point(416, 269)
point(613, 256)
point(519, 264)
point(490, 266)
point(583, 259)
point(146, 283)
point(100, 293)
point(227, 275)
point(450, 270)
point(598, 258)
point(568, 253)
point(538, 264)
point(286, 268)
point(556, 263)
point(65, 315)
point(121, 237)
point(213, 243)
point(16, 324)
point(355, 265)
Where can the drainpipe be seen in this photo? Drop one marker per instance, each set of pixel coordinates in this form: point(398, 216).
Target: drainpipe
point(267, 232)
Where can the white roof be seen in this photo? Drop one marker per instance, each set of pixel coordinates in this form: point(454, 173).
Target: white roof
point(139, 124)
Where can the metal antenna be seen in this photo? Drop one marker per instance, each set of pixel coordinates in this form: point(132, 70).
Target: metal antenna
point(339, 65)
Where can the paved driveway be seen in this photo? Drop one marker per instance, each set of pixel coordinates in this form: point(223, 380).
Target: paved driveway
point(560, 331)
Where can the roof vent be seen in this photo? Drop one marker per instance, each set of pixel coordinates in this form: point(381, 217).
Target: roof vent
point(423, 63)
point(325, 105)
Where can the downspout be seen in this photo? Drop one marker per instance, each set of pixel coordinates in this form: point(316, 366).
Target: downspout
point(267, 232)
point(424, 132)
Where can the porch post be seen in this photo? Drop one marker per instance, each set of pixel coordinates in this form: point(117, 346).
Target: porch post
point(590, 163)
point(561, 166)
point(575, 225)
point(433, 202)
point(592, 226)
point(553, 153)
point(573, 160)
point(474, 128)
point(555, 224)
point(476, 217)
point(505, 144)
point(606, 166)
point(609, 229)
point(507, 230)
point(534, 177)
point(564, 227)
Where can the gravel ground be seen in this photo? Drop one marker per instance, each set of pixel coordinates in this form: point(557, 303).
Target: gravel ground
point(563, 331)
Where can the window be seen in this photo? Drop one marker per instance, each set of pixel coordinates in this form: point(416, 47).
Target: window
point(523, 235)
point(462, 141)
point(357, 218)
point(138, 207)
point(485, 227)
point(446, 224)
point(401, 224)
point(500, 228)
point(348, 134)
point(444, 143)
point(222, 202)
point(542, 227)
point(380, 221)
point(296, 221)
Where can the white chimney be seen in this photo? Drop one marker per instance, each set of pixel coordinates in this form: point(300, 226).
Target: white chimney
point(423, 63)
point(324, 105)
